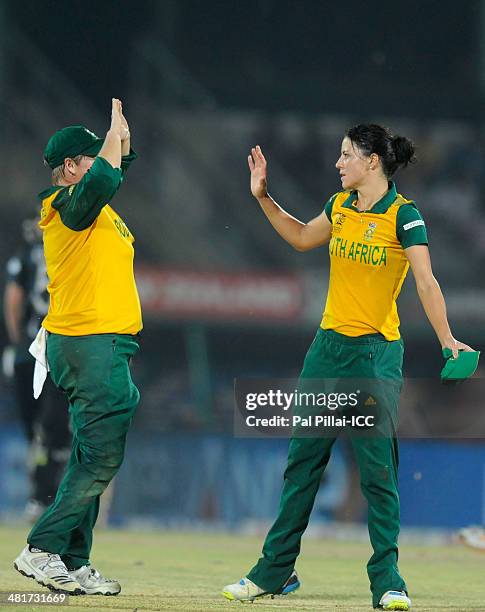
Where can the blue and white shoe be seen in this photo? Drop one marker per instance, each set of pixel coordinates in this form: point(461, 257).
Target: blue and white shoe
point(246, 590)
point(395, 600)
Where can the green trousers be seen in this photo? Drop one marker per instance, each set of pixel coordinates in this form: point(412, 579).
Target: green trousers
point(94, 373)
point(334, 356)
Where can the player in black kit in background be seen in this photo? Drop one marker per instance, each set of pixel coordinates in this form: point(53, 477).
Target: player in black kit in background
point(45, 420)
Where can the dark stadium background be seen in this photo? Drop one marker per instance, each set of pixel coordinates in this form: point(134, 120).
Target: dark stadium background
point(201, 83)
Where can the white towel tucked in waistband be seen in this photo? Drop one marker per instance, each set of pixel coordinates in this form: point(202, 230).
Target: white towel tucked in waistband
point(38, 349)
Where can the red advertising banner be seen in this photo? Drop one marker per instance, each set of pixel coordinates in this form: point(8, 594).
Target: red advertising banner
point(239, 296)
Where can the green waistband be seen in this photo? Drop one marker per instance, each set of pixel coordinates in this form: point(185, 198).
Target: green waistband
point(330, 334)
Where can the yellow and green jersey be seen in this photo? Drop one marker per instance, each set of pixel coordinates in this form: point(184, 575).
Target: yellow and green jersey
point(368, 264)
point(89, 256)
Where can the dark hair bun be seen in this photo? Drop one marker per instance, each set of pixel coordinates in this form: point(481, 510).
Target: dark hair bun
point(403, 150)
point(393, 151)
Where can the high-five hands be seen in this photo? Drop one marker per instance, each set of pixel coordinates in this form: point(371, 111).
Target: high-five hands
point(257, 166)
point(119, 125)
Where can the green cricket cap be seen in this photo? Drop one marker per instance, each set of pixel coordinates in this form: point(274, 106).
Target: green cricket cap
point(69, 142)
point(460, 368)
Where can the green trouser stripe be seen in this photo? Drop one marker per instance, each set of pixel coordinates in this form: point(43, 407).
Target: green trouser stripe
point(94, 373)
point(333, 356)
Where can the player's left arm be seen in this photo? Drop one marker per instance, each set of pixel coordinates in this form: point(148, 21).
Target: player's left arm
point(411, 233)
point(432, 298)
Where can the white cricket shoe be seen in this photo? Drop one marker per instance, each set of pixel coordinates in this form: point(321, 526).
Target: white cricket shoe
point(47, 569)
point(395, 600)
point(246, 590)
point(93, 583)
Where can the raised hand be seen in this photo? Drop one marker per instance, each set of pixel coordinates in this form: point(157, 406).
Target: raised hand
point(116, 117)
point(257, 166)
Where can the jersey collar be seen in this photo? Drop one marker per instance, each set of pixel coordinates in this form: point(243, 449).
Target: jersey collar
point(380, 206)
point(48, 192)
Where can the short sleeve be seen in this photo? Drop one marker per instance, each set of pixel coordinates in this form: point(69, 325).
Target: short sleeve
point(329, 207)
point(410, 226)
point(80, 204)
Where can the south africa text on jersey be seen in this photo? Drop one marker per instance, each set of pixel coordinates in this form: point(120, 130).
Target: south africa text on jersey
point(373, 255)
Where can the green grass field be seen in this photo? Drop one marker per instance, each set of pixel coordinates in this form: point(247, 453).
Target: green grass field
point(186, 571)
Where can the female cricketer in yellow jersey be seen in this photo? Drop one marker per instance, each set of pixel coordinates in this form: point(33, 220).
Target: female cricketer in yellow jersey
point(375, 234)
point(92, 325)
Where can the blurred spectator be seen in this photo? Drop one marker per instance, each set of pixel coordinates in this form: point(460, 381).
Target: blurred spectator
point(46, 420)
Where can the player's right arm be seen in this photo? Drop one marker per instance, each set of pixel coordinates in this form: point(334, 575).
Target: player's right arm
point(117, 133)
point(80, 204)
point(301, 236)
point(116, 148)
